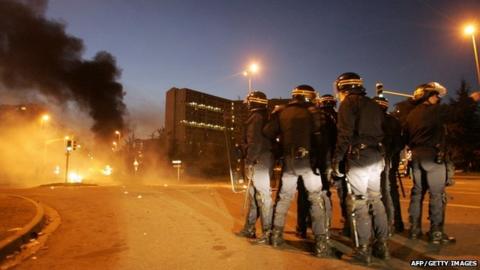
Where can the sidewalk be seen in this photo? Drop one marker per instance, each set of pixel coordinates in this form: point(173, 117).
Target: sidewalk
point(20, 219)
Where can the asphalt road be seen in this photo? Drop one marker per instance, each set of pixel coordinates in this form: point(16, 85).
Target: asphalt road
point(192, 227)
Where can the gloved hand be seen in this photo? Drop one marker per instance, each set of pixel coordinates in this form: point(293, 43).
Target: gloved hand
point(330, 179)
point(440, 157)
point(336, 169)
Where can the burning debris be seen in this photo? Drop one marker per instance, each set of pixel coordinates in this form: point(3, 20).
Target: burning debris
point(37, 56)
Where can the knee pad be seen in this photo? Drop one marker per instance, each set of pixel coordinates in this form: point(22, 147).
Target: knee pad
point(318, 199)
point(359, 204)
point(438, 198)
point(259, 196)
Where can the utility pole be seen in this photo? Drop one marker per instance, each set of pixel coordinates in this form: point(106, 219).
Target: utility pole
point(67, 158)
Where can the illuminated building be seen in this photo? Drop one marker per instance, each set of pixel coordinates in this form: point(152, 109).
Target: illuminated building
point(198, 126)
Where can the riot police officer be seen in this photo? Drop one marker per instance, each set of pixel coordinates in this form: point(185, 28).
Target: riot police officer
point(327, 104)
point(296, 124)
point(324, 146)
point(426, 138)
point(326, 140)
point(359, 140)
point(258, 163)
point(393, 143)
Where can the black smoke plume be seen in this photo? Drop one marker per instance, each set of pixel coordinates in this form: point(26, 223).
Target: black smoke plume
point(37, 55)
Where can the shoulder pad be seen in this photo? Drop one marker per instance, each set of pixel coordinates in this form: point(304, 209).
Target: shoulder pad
point(278, 109)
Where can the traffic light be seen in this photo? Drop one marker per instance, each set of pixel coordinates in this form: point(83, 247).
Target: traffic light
point(74, 145)
point(379, 87)
point(69, 145)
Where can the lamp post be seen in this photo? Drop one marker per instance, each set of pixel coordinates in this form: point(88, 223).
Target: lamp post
point(116, 143)
point(252, 69)
point(470, 30)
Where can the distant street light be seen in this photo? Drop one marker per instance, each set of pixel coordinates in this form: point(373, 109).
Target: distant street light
point(45, 118)
point(252, 69)
point(118, 135)
point(470, 30)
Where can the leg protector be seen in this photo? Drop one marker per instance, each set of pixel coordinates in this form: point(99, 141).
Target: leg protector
point(415, 211)
point(320, 211)
point(380, 223)
point(277, 237)
point(436, 211)
point(360, 220)
point(264, 205)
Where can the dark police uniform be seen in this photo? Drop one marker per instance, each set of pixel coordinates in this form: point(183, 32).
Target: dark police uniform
point(394, 143)
point(296, 125)
point(359, 139)
point(323, 148)
point(426, 139)
point(258, 166)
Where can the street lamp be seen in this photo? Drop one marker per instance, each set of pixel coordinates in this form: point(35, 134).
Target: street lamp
point(45, 118)
point(470, 30)
point(118, 134)
point(252, 69)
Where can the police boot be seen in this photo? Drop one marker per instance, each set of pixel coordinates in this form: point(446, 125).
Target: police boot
point(363, 254)
point(399, 226)
point(437, 237)
point(248, 231)
point(415, 231)
point(448, 239)
point(380, 249)
point(277, 237)
point(322, 246)
point(265, 238)
point(301, 232)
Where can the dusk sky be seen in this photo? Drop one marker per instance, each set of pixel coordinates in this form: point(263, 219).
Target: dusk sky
point(205, 45)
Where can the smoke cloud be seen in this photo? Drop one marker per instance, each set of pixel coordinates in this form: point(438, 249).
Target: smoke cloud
point(37, 55)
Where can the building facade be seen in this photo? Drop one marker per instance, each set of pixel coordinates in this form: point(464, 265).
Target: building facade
point(197, 126)
point(201, 129)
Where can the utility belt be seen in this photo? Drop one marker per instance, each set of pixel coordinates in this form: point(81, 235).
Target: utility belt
point(359, 197)
point(299, 153)
point(354, 151)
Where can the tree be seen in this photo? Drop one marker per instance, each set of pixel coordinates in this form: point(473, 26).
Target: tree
point(464, 129)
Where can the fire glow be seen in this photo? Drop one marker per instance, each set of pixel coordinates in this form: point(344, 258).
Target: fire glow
point(74, 177)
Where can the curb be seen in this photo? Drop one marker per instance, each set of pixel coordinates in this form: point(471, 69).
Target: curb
point(11, 244)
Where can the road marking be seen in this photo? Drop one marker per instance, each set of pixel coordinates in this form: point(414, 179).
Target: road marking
point(448, 204)
point(463, 192)
point(463, 205)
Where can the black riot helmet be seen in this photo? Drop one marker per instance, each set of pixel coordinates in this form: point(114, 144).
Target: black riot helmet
point(426, 90)
point(256, 100)
point(327, 101)
point(349, 82)
point(382, 102)
point(304, 92)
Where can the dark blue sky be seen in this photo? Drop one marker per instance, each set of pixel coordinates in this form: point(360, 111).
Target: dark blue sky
point(205, 45)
